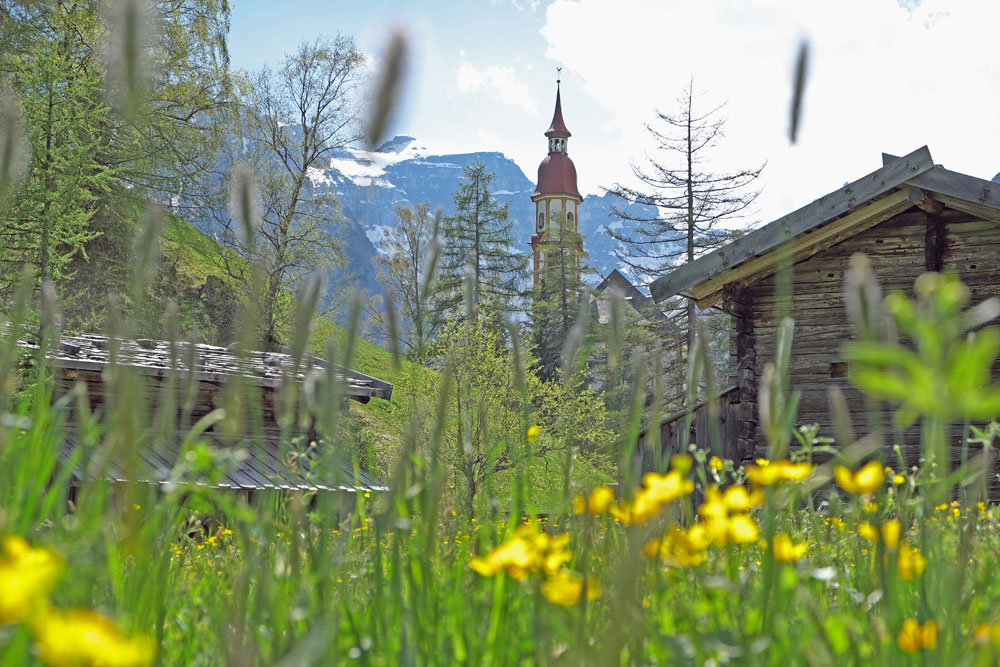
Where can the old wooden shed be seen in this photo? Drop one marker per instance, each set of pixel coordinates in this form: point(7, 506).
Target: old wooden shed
point(909, 217)
point(260, 454)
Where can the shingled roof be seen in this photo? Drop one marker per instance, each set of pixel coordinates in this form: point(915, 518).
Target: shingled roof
point(254, 461)
point(901, 183)
point(211, 363)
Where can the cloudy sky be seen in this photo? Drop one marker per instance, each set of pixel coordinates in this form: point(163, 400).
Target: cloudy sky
point(885, 75)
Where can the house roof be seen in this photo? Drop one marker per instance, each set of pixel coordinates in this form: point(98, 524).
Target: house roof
point(643, 304)
point(900, 184)
point(207, 362)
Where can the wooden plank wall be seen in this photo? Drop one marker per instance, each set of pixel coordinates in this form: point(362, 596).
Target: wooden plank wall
point(897, 251)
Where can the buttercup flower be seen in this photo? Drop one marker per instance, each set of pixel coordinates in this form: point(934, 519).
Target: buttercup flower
point(866, 480)
point(27, 576)
point(913, 636)
point(84, 638)
point(533, 432)
point(564, 588)
point(786, 551)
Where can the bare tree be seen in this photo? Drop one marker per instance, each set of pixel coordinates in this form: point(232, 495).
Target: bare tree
point(697, 209)
point(288, 123)
point(405, 260)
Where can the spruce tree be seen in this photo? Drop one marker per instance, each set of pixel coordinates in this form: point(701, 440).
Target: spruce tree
point(480, 262)
point(557, 294)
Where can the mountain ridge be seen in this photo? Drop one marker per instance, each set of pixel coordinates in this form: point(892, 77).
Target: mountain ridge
point(406, 171)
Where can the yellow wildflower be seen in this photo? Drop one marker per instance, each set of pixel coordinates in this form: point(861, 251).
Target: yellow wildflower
point(715, 463)
point(986, 633)
point(680, 548)
point(837, 523)
point(890, 533)
point(910, 563)
point(866, 480)
point(898, 479)
point(564, 588)
point(868, 531)
point(529, 550)
point(27, 576)
point(533, 433)
point(913, 636)
point(766, 473)
point(786, 551)
point(81, 637)
point(600, 499)
point(741, 529)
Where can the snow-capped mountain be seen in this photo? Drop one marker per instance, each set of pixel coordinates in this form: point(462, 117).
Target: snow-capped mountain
point(406, 171)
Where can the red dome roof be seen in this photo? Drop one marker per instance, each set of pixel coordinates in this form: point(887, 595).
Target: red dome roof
point(557, 175)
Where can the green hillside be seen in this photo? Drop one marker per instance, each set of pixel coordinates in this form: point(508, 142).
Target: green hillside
point(378, 423)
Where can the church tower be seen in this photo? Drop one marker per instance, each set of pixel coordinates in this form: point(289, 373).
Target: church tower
point(556, 195)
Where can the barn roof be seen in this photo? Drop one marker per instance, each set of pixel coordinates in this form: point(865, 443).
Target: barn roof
point(250, 465)
point(207, 362)
point(901, 183)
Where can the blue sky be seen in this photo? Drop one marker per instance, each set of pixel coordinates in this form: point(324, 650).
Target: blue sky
point(886, 75)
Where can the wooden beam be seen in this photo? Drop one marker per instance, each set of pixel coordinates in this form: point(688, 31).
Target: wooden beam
point(934, 240)
point(708, 292)
point(925, 201)
point(980, 211)
point(783, 229)
point(962, 192)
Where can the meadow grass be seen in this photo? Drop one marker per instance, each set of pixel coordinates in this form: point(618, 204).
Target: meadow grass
point(703, 562)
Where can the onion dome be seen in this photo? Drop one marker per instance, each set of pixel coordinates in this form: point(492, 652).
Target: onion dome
point(556, 173)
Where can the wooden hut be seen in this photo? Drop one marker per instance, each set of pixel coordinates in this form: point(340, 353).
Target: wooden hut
point(194, 377)
point(908, 217)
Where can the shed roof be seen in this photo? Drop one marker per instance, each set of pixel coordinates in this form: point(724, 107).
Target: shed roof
point(900, 184)
point(256, 465)
point(210, 362)
point(643, 304)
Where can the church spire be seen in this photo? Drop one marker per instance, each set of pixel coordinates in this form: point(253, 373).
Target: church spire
point(558, 128)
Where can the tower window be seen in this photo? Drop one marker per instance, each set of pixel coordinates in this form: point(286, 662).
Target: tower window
point(569, 218)
point(541, 221)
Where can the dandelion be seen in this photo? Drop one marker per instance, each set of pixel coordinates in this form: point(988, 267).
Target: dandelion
point(81, 638)
point(27, 576)
point(898, 479)
point(786, 551)
point(533, 432)
point(866, 480)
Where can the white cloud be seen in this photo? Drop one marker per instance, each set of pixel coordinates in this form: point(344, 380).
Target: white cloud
point(501, 83)
point(882, 78)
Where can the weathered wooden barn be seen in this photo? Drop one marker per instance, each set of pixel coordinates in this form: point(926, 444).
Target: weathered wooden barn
point(260, 455)
point(909, 217)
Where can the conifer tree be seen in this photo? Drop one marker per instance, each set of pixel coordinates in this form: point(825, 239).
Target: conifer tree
point(480, 260)
point(693, 205)
point(556, 302)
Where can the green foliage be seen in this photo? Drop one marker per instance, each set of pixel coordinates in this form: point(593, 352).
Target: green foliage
point(558, 293)
point(406, 265)
point(489, 395)
point(479, 262)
